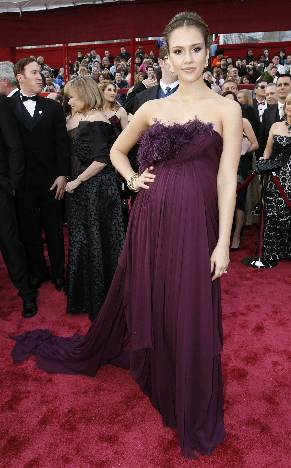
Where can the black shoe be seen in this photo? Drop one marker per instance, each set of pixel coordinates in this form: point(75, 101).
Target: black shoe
point(36, 282)
point(59, 284)
point(29, 308)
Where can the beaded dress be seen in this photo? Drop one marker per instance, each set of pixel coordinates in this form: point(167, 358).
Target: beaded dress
point(277, 214)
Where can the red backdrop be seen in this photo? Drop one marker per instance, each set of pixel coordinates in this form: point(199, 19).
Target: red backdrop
point(54, 55)
point(138, 19)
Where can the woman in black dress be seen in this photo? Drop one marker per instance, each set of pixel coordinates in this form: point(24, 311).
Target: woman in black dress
point(277, 213)
point(95, 214)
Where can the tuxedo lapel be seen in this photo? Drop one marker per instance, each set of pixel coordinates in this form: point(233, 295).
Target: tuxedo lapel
point(24, 116)
point(38, 113)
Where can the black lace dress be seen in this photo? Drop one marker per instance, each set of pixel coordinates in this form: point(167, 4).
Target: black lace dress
point(95, 221)
point(277, 231)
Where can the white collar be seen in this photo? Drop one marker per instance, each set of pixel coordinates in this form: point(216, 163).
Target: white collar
point(165, 86)
point(12, 92)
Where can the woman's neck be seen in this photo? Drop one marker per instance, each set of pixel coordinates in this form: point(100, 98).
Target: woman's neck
point(191, 91)
point(109, 106)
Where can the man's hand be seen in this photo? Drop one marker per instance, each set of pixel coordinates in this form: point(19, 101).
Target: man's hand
point(59, 184)
point(149, 82)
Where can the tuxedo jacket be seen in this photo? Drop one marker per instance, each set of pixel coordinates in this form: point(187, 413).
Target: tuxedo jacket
point(270, 116)
point(248, 112)
point(256, 109)
point(11, 149)
point(45, 140)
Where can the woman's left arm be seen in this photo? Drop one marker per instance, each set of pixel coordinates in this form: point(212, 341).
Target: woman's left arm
point(226, 184)
point(250, 134)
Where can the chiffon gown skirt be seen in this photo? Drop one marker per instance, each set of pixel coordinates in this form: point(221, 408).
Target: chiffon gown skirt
point(162, 311)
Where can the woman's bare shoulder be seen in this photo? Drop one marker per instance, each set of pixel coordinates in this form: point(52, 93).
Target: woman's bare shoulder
point(220, 102)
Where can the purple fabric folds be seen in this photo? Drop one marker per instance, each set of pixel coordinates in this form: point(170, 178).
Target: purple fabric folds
point(162, 306)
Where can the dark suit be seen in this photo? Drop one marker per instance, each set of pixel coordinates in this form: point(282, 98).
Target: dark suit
point(11, 172)
point(248, 112)
point(144, 96)
point(45, 141)
point(256, 109)
point(270, 116)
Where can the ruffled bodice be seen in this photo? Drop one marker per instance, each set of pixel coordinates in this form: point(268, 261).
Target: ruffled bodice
point(162, 142)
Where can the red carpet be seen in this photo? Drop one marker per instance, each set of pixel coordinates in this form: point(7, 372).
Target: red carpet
point(54, 421)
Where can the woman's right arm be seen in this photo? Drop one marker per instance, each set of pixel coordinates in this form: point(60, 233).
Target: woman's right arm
point(126, 140)
point(269, 146)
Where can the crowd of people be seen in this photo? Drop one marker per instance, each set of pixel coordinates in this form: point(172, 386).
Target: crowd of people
point(60, 145)
point(248, 70)
point(261, 107)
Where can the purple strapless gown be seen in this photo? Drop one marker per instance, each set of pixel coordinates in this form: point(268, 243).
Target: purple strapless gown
point(162, 313)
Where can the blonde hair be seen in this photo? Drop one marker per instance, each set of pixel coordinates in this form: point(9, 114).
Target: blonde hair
point(87, 91)
point(288, 98)
point(247, 95)
point(102, 86)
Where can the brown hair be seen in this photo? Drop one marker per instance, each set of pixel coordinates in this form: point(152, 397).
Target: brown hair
point(87, 91)
point(187, 18)
point(103, 85)
point(21, 64)
point(163, 52)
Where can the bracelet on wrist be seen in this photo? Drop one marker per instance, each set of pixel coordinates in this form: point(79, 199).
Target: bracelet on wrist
point(80, 180)
point(131, 182)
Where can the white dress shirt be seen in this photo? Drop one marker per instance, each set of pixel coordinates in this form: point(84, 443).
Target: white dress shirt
point(165, 86)
point(12, 92)
point(281, 110)
point(29, 105)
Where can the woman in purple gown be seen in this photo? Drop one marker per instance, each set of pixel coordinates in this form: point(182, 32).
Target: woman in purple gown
point(162, 314)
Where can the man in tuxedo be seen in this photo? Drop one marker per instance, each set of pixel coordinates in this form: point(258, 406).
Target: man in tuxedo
point(11, 173)
point(167, 85)
point(43, 130)
point(275, 112)
point(259, 103)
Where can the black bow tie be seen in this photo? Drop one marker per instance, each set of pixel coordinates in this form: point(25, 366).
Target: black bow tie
point(28, 98)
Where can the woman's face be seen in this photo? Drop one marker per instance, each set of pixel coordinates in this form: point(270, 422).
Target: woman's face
point(110, 93)
point(187, 53)
point(76, 104)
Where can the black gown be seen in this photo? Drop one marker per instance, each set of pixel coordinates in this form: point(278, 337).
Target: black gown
point(95, 221)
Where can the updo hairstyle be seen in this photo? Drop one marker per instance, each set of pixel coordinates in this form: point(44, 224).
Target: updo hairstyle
point(187, 18)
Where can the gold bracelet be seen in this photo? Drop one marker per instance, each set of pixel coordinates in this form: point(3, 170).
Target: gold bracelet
point(131, 182)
